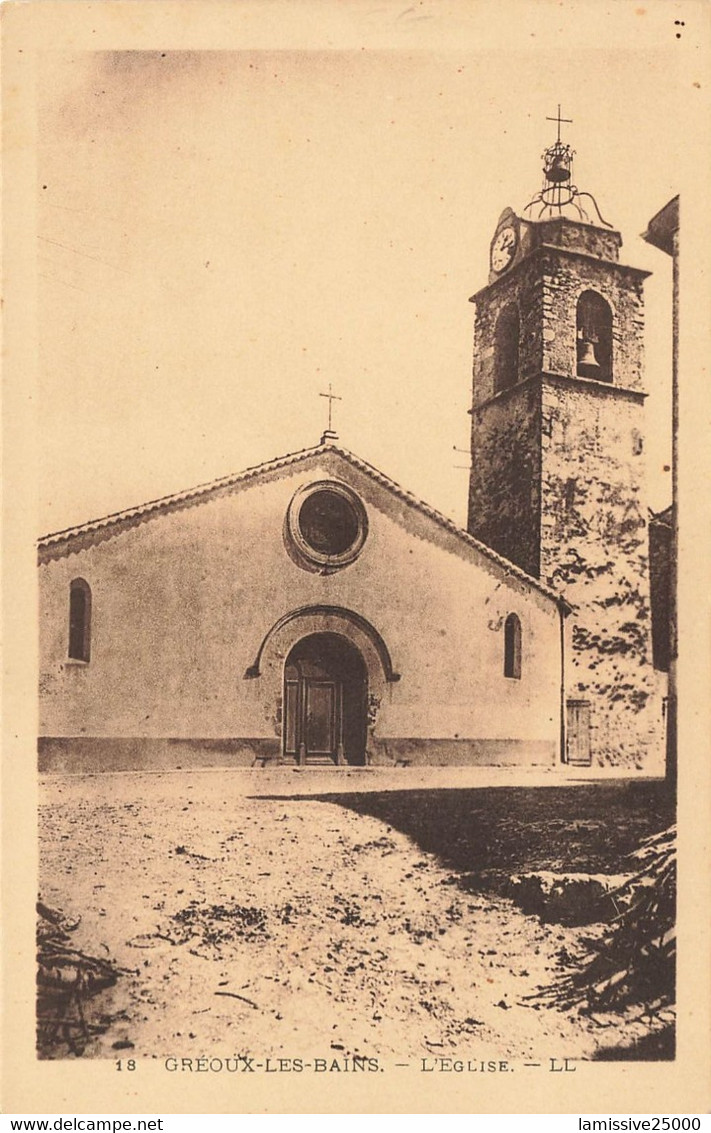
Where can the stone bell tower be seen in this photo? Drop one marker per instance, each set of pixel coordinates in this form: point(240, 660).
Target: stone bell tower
point(557, 480)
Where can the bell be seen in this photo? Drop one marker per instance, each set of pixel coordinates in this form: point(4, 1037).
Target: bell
point(586, 354)
point(557, 170)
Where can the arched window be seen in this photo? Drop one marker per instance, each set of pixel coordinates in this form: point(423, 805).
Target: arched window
point(594, 337)
point(512, 647)
point(508, 330)
point(79, 620)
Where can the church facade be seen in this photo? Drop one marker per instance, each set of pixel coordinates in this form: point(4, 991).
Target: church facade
point(310, 612)
point(305, 612)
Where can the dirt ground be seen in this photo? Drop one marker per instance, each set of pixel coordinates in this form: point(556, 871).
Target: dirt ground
point(282, 915)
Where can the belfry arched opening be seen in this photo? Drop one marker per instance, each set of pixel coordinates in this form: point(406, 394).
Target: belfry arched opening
point(325, 702)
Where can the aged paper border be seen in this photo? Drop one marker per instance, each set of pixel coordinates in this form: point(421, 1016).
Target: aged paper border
point(94, 1087)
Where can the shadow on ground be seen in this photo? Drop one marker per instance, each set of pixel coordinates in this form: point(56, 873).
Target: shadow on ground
point(486, 835)
point(582, 828)
point(660, 1046)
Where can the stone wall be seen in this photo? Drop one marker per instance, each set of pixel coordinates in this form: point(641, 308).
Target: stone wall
point(504, 492)
point(602, 243)
point(565, 277)
point(594, 550)
point(557, 480)
point(522, 286)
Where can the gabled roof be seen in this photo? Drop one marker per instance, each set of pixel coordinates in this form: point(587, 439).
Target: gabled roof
point(59, 542)
point(123, 519)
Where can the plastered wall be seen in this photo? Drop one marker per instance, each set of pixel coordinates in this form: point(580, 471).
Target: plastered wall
point(183, 601)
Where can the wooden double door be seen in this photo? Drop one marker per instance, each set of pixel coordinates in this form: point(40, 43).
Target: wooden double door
point(325, 702)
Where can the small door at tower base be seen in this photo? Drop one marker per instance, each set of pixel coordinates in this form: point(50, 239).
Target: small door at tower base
point(577, 737)
point(325, 702)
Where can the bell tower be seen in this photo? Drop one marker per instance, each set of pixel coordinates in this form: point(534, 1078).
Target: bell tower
point(557, 480)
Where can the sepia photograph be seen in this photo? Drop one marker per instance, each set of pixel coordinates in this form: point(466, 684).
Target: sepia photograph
point(356, 511)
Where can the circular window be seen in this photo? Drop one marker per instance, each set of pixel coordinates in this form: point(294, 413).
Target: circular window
point(327, 524)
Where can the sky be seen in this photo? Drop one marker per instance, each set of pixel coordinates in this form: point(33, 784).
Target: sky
point(223, 233)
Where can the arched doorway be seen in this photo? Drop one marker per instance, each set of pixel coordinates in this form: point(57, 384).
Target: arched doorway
point(325, 701)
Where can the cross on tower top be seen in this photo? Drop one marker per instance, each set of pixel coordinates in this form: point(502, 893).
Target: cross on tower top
point(559, 120)
point(329, 434)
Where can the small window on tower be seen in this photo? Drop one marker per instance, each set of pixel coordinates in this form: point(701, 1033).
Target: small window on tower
point(594, 337)
point(79, 620)
point(512, 647)
point(508, 330)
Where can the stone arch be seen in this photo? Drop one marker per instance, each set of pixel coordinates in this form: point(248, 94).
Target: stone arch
point(594, 338)
point(507, 337)
point(267, 671)
point(281, 637)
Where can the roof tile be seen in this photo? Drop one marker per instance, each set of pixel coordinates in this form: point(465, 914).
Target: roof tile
point(120, 520)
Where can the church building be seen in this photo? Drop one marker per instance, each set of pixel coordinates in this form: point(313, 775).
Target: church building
point(310, 611)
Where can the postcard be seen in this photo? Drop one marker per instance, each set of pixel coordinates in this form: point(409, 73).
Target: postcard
point(356, 750)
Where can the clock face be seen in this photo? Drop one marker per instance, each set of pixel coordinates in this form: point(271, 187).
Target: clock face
point(504, 248)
